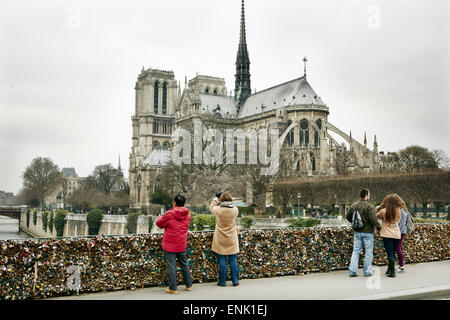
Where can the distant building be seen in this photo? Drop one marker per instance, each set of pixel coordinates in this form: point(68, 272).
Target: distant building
point(6, 198)
point(72, 180)
point(70, 184)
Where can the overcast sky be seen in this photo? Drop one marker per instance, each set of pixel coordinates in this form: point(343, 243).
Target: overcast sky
point(68, 68)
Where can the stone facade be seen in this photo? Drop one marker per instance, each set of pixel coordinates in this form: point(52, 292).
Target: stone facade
point(292, 107)
point(70, 184)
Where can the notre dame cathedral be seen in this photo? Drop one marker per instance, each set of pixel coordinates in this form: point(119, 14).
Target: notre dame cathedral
point(293, 106)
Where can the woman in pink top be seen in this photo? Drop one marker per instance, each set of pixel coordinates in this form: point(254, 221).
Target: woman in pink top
point(389, 213)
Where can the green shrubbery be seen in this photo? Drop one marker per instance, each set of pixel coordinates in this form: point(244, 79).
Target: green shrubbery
point(247, 222)
point(162, 197)
point(28, 217)
point(94, 221)
point(50, 221)
point(132, 219)
point(304, 223)
point(34, 217)
point(59, 222)
point(202, 220)
point(44, 218)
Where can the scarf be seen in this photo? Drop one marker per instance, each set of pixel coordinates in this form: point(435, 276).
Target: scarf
point(227, 204)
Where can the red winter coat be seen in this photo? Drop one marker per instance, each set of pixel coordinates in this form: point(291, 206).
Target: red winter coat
point(176, 224)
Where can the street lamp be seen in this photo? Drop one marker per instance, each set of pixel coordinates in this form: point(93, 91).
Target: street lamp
point(298, 198)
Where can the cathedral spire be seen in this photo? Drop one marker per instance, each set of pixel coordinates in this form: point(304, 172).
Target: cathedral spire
point(119, 167)
point(242, 65)
point(243, 39)
point(304, 66)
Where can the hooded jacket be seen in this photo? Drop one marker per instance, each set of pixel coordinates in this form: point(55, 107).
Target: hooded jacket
point(225, 240)
point(175, 223)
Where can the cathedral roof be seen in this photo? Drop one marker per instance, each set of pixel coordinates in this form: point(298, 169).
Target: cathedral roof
point(294, 92)
point(157, 157)
point(218, 104)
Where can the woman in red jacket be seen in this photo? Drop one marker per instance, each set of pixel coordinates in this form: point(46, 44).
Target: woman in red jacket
point(175, 223)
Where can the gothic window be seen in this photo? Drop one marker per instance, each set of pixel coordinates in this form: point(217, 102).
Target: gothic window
point(215, 92)
point(313, 161)
point(156, 97)
point(166, 146)
point(156, 145)
point(164, 127)
point(290, 136)
point(207, 90)
point(304, 133)
point(164, 98)
point(316, 133)
point(155, 126)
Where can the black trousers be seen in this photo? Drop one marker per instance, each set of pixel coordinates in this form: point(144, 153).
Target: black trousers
point(390, 245)
point(171, 258)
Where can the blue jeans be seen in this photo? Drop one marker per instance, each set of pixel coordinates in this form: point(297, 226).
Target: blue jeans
point(171, 258)
point(232, 261)
point(362, 239)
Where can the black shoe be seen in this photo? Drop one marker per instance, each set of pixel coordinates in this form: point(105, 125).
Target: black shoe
point(391, 269)
point(353, 275)
point(221, 285)
point(235, 284)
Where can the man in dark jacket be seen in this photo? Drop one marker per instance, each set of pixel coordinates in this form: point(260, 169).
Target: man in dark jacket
point(364, 236)
point(175, 223)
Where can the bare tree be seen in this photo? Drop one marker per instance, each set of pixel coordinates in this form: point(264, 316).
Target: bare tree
point(104, 178)
point(416, 158)
point(42, 177)
point(344, 161)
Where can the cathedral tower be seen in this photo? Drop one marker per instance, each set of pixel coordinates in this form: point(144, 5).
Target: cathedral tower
point(242, 87)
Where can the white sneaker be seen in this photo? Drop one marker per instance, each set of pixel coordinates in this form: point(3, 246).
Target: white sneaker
point(400, 269)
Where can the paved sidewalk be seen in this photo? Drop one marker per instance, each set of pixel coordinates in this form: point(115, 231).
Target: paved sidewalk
point(420, 281)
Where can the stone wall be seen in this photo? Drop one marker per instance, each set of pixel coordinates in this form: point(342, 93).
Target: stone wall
point(76, 225)
point(37, 230)
point(34, 269)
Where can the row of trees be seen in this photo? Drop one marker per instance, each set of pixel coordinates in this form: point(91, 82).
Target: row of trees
point(96, 191)
point(423, 187)
point(199, 182)
point(43, 178)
